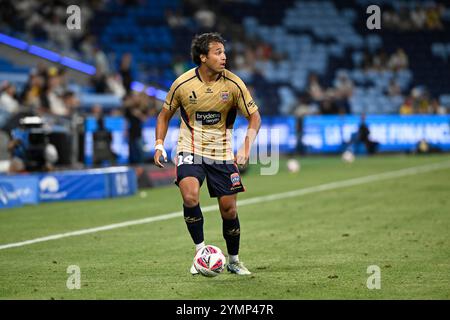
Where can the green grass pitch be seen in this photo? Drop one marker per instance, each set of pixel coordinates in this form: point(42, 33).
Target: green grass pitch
point(315, 246)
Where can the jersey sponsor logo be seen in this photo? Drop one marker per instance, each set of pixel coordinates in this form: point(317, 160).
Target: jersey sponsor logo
point(208, 90)
point(208, 117)
point(224, 96)
point(193, 98)
point(235, 179)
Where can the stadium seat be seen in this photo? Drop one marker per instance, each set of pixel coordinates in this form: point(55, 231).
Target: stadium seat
point(105, 100)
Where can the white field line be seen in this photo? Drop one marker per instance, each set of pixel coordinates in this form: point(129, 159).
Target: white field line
point(254, 200)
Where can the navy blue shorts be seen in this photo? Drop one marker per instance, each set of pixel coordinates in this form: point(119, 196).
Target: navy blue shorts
point(222, 177)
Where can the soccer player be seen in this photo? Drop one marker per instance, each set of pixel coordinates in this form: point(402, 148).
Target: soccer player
point(209, 97)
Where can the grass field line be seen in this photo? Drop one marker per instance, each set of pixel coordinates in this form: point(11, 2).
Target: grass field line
point(273, 197)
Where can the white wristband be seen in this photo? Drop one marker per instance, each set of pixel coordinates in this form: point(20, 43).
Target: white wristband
point(161, 148)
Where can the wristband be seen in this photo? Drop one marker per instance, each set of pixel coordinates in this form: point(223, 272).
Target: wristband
point(163, 151)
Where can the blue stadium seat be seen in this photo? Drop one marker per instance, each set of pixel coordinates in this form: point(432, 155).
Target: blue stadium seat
point(16, 78)
point(105, 100)
point(444, 100)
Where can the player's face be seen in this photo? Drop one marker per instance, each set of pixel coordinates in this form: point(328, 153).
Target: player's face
point(216, 58)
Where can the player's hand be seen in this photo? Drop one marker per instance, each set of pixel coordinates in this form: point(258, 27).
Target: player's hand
point(160, 151)
point(241, 158)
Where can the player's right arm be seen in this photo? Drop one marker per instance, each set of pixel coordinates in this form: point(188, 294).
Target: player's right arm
point(162, 124)
point(170, 106)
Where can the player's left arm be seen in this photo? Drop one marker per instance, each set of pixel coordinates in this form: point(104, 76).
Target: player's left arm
point(254, 123)
point(249, 109)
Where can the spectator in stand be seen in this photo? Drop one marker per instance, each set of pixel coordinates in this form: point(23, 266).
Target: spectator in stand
point(135, 118)
point(32, 91)
point(421, 17)
point(175, 19)
point(51, 99)
point(126, 72)
point(205, 18)
point(394, 89)
point(437, 108)
point(8, 99)
point(407, 107)
point(343, 92)
point(115, 85)
point(418, 17)
point(99, 82)
point(57, 32)
point(87, 47)
point(305, 107)
point(100, 60)
point(419, 101)
point(9, 106)
point(71, 102)
point(328, 106)
point(361, 138)
point(398, 61)
point(315, 90)
point(17, 152)
point(380, 61)
point(102, 139)
point(433, 18)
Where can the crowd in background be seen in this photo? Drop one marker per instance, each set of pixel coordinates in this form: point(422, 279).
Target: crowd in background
point(427, 16)
point(247, 56)
point(46, 20)
point(45, 93)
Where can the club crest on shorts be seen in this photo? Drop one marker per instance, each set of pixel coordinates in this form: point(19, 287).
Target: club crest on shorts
point(224, 96)
point(235, 179)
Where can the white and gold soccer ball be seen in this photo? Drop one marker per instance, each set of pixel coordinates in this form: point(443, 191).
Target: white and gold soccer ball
point(209, 261)
point(348, 157)
point(293, 165)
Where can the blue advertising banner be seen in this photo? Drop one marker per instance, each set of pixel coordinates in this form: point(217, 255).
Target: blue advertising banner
point(88, 184)
point(26, 187)
point(72, 186)
point(328, 134)
point(9, 198)
point(281, 131)
point(122, 183)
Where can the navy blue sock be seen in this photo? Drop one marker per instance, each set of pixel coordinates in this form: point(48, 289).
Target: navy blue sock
point(232, 234)
point(194, 221)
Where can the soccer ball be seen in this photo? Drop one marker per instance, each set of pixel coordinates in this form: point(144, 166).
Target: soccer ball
point(348, 157)
point(293, 165)
point(209, 261)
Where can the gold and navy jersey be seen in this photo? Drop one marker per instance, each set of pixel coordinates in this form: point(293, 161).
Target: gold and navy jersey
point(208, 112)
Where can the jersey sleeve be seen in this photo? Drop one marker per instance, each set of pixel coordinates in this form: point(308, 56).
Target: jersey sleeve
point(245, 101)
point(172, 101)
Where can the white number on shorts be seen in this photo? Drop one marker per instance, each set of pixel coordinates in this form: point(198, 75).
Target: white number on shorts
point(185, 160)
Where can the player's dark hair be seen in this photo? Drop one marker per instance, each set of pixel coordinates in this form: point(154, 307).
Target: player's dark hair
point(200, 45)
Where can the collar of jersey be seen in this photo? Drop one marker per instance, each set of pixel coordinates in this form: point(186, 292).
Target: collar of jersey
point(199, 78)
